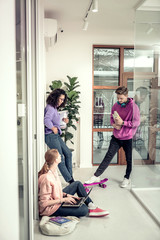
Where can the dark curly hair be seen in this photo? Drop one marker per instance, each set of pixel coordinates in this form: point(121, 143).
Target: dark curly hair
point(53, 97)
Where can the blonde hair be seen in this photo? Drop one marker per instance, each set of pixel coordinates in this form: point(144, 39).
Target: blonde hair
point(50, 157)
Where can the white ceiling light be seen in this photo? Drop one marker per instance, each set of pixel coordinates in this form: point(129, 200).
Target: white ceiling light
point(150, 29)
point(95, 6)
point(85, 25)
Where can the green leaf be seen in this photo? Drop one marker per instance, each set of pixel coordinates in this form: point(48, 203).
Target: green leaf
point(55, 84)
point(68, 136)
point(73, 126)
point(67, 85)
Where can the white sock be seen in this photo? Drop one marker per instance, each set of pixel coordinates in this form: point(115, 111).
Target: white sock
point(91, 205)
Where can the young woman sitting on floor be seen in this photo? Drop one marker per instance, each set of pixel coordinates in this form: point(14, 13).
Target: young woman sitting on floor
point(51, 196)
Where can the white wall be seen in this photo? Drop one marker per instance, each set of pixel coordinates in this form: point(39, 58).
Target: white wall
point(9, 215)
point(72, 55)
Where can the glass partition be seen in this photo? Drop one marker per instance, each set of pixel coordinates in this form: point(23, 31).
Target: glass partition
point(144, 60)
point(22, 118)
point(146, 142)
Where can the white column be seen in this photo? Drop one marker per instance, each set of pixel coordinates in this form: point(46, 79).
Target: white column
point(9, 214)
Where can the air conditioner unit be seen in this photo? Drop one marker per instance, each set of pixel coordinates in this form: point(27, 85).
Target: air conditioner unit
point(50, 27)
point(50, 32)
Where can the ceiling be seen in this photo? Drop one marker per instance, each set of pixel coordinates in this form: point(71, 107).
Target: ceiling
point(152, 5)
point(114, 17)
point(112, 14)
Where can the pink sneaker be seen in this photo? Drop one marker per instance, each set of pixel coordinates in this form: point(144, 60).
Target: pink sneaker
point(97, 212)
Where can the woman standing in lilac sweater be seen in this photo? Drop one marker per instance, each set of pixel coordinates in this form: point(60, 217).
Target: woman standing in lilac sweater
point(125, 125)
point(55, 100)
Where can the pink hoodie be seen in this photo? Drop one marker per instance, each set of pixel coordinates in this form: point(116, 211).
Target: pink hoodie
point(131, 117)
point(49, 188)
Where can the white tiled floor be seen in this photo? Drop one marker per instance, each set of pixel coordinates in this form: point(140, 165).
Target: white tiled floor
point(146, 186)
point(127, 221)
point(150, 198)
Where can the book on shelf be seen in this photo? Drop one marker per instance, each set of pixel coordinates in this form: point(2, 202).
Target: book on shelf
point(59, 220)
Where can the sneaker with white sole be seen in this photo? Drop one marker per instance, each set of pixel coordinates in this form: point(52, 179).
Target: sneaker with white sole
point(93, 179)
point(125, 183)
point(97, 212)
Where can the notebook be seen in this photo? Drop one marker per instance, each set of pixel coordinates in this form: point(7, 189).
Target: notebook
point(59, 220)
point(115, 115)
point(78, 203)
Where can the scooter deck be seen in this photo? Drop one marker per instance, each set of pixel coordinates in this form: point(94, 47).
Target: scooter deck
point(101, 183)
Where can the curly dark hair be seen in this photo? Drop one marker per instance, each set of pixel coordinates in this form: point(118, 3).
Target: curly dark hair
point(53, 97)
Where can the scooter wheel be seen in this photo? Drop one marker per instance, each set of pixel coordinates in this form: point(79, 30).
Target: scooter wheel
point(87, 190)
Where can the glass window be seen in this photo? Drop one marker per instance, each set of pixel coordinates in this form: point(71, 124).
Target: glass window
point(101, 141)
point(106, 67)
point(128, 60)
point(103, 102)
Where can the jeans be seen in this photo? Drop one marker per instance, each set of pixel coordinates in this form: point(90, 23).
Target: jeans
point(54, 141)
point(75, 187)
point(114, 146)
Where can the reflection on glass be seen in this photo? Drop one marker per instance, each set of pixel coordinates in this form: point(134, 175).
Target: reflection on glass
point(142, 99)
point(158, 145)
point(128, 60)
point(154, 125)
point(101, 141)
point(106, 67)
point(103, 102)
point(130, 86)
point(144, 60)
point(141, 138)
point(158, 131)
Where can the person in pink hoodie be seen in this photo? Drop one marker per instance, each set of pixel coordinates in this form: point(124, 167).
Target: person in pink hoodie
point(125, 118)
point(51, 196)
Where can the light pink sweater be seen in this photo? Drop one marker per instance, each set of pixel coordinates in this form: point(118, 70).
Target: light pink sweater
point(49, 188)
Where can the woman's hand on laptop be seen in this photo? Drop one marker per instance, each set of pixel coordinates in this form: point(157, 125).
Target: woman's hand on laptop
point(69, 195)
point(71, 199)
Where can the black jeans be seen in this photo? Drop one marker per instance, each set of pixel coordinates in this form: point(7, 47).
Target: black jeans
point(115, 145)
point(75, 187)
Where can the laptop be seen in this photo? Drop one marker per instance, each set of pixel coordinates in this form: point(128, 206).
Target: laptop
point(78, 203)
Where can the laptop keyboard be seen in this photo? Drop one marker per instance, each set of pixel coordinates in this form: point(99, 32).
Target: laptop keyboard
point(78, 201)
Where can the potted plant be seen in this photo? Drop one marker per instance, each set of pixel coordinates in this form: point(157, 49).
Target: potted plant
point(72, 105)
